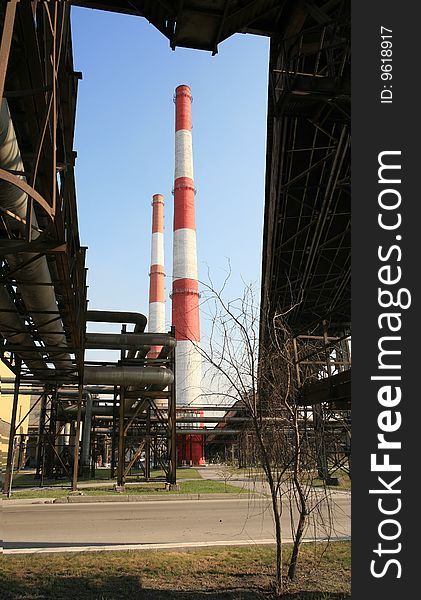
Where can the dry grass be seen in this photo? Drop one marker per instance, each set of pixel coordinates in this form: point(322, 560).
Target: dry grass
point(223, 574)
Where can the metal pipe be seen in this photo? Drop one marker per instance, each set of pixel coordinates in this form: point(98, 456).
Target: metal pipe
point(107, 411)
point(103, 390)
point(127, 341)
point(128, 376)
point(87, 423)
point(34, 282)
point(77, 440)
point(114, 316)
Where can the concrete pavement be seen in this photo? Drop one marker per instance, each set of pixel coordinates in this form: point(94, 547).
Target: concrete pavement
point(180, 523)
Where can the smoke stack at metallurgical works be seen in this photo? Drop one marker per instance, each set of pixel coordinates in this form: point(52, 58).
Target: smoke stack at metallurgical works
point(185, 293)
point(156, 321)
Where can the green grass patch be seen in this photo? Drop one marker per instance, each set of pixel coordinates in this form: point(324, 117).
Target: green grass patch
point(205, 486)
point(224, 574)
point(200, 486)
point(23, 480)
point(343, 484)
point(344, 481)
point(183, 473)
point(38, 493)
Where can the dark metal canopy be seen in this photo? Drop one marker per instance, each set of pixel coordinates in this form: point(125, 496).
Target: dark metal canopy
point(40, 87)
point(306, 245)
point(200, 24)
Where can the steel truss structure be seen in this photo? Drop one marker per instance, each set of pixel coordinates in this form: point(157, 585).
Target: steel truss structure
point(306, 247)
point(306, 266)
point(43, 297)
point(306, 263)
point(322, 382)
point(40, 251)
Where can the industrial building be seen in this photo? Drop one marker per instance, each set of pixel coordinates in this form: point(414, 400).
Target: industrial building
point(21, 427)
point(138, 409)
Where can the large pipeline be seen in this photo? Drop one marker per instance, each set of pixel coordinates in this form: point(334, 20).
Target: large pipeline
point(127, 341)
point(87, 427)
point(128, 376)
point(34, 279)
point(86, 412)
point(115, 316)
point(137, 344)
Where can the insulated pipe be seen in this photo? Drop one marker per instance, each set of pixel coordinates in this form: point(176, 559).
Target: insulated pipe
point(156, 322)
point(114, 316)
point(97, 411)
point(87, 423)
point(128, 341)
point(185, 295)
point(103, 390)
point(67, 433)
point(87, 427)
point(126, 376)
point(35, 284)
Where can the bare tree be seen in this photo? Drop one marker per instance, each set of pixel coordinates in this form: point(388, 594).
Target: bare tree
point(263, 381)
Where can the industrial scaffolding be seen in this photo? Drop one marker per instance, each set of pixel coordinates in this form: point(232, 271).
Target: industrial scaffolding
point(43, 299)
point(306, 249)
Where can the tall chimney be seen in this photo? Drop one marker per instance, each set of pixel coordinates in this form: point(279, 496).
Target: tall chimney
point(156, 322)
point(185, 295)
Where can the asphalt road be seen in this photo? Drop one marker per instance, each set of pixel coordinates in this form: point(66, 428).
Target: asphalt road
point(176, 521)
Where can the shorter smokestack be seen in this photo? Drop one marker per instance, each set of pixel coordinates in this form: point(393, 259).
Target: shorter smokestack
point(156, 322)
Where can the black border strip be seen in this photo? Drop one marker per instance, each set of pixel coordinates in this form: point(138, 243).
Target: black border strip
point(383, 127)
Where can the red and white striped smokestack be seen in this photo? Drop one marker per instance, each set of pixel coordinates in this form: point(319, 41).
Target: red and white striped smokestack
point(156, 321)
point(185, 295)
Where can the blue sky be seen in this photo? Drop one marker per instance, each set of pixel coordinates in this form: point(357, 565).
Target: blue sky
point(125, 145)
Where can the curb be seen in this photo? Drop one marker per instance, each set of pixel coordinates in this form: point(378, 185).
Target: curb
point(164, 547)
point(127, 498)
point(143, 498)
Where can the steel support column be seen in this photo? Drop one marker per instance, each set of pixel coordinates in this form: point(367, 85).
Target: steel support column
point(121, 445)
point(114, 435)
point(77, 435)
point(51, 438)
point(172, 437)
point(40, 443)
point(121, 430)
point(148, 445)
point(6, 41)
point(7, 489)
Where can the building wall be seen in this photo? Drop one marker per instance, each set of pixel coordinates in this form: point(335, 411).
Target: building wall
point(6, 402)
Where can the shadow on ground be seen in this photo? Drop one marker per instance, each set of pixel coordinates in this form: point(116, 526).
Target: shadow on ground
point(129, 587)
point(317, 596)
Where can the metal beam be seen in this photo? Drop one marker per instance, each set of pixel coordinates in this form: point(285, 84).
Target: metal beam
point(7, 488)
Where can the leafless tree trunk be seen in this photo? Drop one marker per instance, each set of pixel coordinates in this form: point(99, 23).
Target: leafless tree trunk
point(264, 381)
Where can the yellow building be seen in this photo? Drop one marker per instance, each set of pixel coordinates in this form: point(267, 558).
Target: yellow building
point(6, 403)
